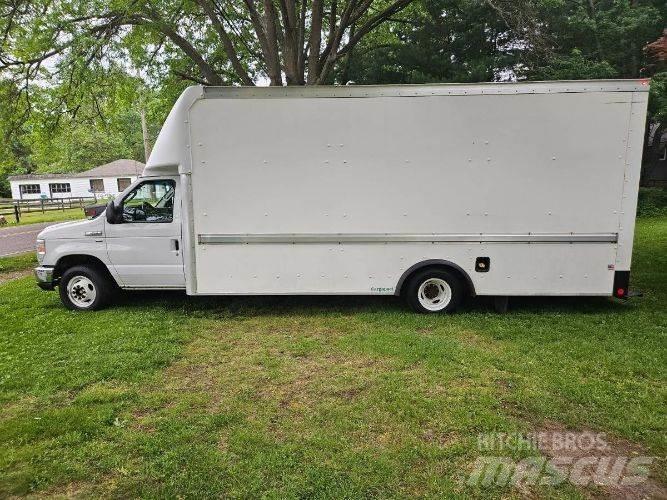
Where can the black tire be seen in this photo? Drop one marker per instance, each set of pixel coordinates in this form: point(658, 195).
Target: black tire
point(87, 276)
point(454, 294)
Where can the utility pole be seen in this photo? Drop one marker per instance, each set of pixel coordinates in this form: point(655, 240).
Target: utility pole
point(144, 131)
point(144, 125)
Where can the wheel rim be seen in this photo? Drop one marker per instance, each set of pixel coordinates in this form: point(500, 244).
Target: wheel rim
point(81, 291)
point(434, 294)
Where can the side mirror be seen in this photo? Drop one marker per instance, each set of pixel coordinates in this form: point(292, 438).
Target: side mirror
point(112, 212)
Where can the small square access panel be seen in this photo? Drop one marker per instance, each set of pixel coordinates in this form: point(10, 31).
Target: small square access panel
point(482, 264)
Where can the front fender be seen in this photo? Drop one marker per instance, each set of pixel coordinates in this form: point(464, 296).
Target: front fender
point(57, 249)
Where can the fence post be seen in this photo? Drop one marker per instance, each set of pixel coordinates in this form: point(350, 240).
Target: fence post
point(16, 212)
point(41, 200)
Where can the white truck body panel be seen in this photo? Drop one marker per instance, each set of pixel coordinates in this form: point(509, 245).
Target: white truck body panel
point(343, 190)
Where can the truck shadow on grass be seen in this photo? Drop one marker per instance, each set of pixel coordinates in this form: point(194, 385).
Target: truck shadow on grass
point(316, 305)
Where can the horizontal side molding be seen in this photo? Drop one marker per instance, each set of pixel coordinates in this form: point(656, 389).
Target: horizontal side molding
point(221, 239)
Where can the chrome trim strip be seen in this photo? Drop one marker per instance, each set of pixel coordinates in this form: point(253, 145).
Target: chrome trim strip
point(335, 238)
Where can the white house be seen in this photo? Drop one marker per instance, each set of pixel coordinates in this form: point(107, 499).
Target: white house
point(105, 180)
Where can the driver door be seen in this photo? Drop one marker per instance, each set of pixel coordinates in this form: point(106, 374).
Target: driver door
point(145, 247)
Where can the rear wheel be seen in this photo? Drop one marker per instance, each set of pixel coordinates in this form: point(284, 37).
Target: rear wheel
point(434, 291)
point(84, 288)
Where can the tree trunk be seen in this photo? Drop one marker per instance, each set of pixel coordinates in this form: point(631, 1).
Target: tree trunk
point(144, 132)
point(273, 55)
point(652, 153)
point(315, 41)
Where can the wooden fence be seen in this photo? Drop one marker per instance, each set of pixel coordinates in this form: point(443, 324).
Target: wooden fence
point(17, 208)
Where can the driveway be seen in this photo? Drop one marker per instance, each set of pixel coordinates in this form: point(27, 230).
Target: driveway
point(20, 239)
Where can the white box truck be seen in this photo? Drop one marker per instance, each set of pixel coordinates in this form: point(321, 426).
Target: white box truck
point(431, 192)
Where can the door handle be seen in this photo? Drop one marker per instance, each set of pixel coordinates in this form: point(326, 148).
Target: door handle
point(175, 246)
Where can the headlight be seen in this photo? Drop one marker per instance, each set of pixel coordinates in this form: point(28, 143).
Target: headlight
point(40, 247)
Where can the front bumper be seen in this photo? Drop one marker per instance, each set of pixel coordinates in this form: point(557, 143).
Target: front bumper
point(44, 277)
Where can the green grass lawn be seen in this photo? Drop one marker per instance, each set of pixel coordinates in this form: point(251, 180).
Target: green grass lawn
point(17, 262)
point(165, 395)
point(47, 216)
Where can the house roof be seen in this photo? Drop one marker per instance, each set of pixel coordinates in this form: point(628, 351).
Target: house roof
point(113, 169)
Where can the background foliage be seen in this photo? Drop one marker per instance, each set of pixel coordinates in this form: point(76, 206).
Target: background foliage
point(74, 74)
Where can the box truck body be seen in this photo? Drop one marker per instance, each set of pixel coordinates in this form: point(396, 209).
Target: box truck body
point(512, 189)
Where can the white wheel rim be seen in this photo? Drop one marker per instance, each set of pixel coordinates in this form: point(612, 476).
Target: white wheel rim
point(81, 291)
point(434, 294)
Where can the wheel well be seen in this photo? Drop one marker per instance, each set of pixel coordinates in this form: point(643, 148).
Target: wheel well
point(437, 264)
point(68, 261)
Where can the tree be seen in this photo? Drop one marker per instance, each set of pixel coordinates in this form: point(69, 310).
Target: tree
point(657, 109)
point(658, 50)
point(13, 148)
point(437, 41)
point(582, 38)
point(69, 130)
point(223, 42)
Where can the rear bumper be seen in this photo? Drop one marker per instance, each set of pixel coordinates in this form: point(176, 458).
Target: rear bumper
point(44, 277)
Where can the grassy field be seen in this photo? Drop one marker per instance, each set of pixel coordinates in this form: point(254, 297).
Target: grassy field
point(165, 395)
point(17, 263)
point(47, 216)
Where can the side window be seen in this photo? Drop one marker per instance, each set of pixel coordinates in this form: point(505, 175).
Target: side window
point(30, 189)
point(97, 185)
point(123, 183)
point(150, 201)
point(60, 187)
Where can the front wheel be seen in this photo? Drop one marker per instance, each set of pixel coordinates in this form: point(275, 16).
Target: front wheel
point(434, 291)
point(84, 288)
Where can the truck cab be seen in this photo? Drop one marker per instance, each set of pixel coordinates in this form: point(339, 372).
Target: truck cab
point(135, 244)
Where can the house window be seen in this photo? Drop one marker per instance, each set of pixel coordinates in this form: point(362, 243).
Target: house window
point(97, 185)
point(30, 189)
point(123, 183)
point(60, 187)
